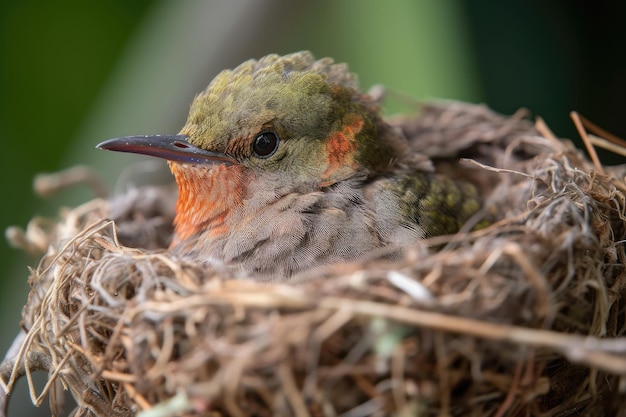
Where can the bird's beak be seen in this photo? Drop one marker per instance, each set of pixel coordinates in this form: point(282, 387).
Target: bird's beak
point(171, 147)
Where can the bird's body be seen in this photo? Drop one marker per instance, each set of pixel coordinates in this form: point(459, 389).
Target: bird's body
point(284, 165)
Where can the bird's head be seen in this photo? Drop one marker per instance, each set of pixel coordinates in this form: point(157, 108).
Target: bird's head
point(292, 120)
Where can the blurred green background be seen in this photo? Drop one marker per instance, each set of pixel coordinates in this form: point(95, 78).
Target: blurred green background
point(75, 73)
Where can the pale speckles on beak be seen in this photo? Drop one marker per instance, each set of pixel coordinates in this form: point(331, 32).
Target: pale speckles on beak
point(174, 148)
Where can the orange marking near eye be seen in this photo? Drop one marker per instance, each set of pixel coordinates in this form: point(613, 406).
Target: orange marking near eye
point(341, 145)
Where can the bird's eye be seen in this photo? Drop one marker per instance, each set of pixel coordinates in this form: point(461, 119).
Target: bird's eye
point(265, 144)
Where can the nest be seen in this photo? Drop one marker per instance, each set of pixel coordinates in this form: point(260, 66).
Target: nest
point(526, 317)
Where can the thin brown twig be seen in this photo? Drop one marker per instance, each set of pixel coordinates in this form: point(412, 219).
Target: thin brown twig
point(595, 352)
point(607, 145)
point(49, 184)
point(137, 398)
point(510, 395)
point(605, 134)
point(545, 131)
point(583, 135)
point(294, 398)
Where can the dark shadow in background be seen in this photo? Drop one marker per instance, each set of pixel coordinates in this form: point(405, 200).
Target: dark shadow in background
point(552, 58)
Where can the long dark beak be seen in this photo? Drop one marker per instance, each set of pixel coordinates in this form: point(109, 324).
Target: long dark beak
point(171, 147)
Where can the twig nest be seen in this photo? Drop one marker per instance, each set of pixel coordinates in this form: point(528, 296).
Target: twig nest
point(525, 317)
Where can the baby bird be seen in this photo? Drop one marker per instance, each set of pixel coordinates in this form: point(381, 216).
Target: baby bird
point(284, 165)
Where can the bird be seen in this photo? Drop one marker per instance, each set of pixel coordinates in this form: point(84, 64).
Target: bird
point(284, 165)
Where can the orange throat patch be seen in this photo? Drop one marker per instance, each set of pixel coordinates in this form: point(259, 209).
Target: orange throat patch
point(206, 198)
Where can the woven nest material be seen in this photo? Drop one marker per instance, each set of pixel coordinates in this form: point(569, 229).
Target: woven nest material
point(524, 318)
